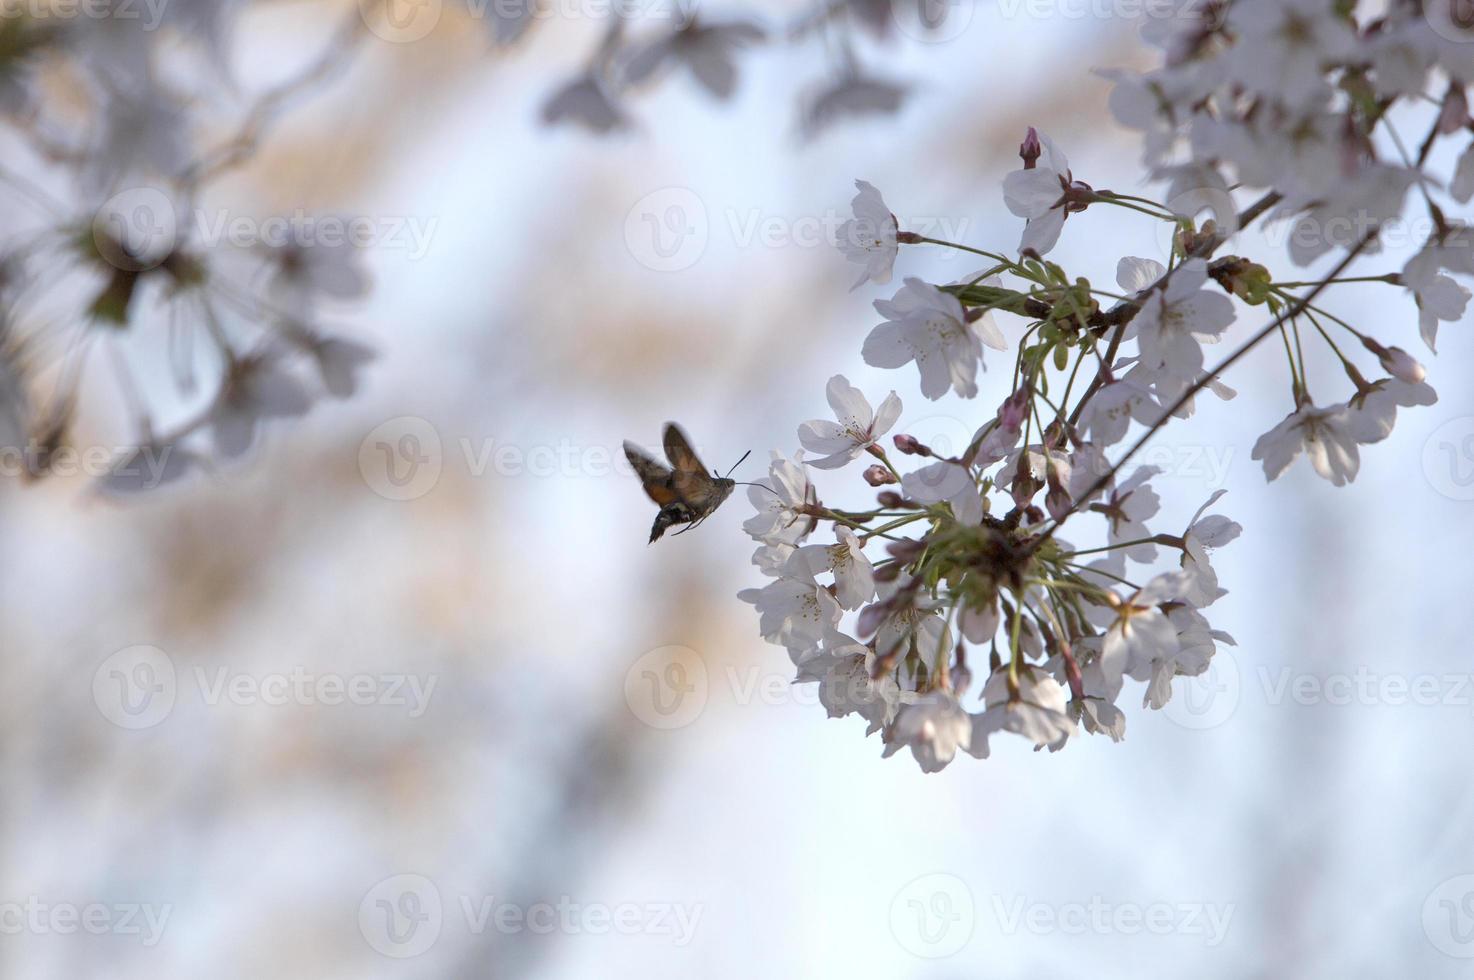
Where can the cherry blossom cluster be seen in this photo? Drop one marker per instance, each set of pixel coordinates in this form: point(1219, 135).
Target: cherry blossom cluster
point(102, 275)
point(960, 574)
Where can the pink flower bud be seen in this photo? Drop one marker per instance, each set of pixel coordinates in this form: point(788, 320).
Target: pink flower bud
point(906, 550)
point(910, 445)
point(890, 499)
point(1029, 150)
point(878, 476)
point(1014, 410)
point(1396, 362)
point(871, 617)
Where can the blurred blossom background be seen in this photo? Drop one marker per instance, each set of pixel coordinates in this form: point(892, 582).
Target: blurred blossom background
point(392, 691)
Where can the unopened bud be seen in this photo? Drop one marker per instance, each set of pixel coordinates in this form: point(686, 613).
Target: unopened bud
point(878, 476)
point(1058, 501)
point(961, 679)
point(906, 550)
point(871, 617)
point(890, 499)
point(1455, 112)
point(1030, 149)
point(1014, 410)
point(910, 445)
point(1399, 363)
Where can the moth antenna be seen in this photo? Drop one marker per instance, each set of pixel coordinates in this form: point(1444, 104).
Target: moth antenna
point(767, 488)
point(739, 462)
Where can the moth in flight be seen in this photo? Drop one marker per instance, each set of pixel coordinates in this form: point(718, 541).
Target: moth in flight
point(685, 492)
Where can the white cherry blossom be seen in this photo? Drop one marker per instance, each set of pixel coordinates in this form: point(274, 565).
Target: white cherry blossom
point(934, 727)
point(779, 501)
point(1177, 319)
point(869, 238)
point(854, 578)
point(1141, 631)
point(1038, 194)
point(928, 326)
point(1202, 534)
point(1326, 435)
point(856, 429)
point(946, 482)
point(1374, 412)
point(1039, 712)
point(795, 610)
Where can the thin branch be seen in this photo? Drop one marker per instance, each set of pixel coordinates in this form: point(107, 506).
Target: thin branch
point(1299, 306)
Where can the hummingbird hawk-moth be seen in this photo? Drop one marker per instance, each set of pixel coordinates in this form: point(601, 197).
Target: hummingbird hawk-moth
point(684, 491)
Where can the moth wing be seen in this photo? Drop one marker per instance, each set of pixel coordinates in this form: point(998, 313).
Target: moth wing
point(690, 479)
point(654, 476)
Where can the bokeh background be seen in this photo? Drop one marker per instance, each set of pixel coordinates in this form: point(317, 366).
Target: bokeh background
point(1296, 812)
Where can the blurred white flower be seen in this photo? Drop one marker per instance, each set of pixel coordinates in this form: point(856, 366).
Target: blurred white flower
point(146, 468)
point(586, 101)
point(339, 361)
point(704, 49)
point(301, 274)
point(851, 94)
point(1283, 45)
point(869, 238)
point(256, 388)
